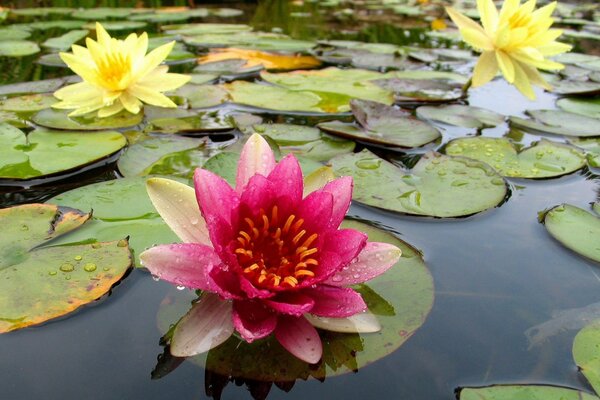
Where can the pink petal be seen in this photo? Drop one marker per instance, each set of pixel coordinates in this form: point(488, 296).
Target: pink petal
point(256, 158)
point(287, 178)
point(253, 320)
point(291, 303)
point(252, 291)
point(346, 244)
point(226, 284)
point(205, 326)
point(373, 260)
point(329, 264)
point(259, 194)
point(316, 209)
point(364, 322)
point(336, 302)
point(341, 190)
point(185, 264)
point(300, 338)
point(215, 197)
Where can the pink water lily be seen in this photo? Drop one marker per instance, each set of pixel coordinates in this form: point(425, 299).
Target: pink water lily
point(270, 258)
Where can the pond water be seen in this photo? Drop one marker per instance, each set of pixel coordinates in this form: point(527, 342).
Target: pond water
point(496, 274)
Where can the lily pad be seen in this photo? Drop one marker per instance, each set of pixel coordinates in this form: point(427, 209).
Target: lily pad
point(582, 106)
point(587, 355)
point(59, 119)
point(28, 103)
point(115, 26)
point(422, 90)
point(64, 42)
point(121, 208)
point(202, 96)
point(38, 284)
point(591, 147)
point(44, 152)
point(268, 60)
point(383, 125)
point(43, 86)
point(572, 87)
point(401, 299)
point(18, 48)
point(438, 185)
point(205, 28)
point(272, 97)
point(460, 115)
point(529, 392)
point(100, 14)
point(250, 40)
point(230, 68)
point(13, 34)
point(202, 122)
point(559, 123)
point(545, 159)
point(575, 228)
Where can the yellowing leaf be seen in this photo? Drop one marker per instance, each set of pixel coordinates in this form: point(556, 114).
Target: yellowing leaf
point(268, 60)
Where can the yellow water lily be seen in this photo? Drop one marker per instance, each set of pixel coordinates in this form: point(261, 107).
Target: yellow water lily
point(117, 74)
point(517, 40)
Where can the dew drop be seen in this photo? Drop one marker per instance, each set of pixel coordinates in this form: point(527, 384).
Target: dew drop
point(68, 277)
point(66, 267)
point(52, 273)
point(24, 227)
point(78, 258)
point(106, 269)
point(179, 287)
point(368, 163)
point(122, 243)
point(497, 181)
point(155, 278)
point(96, 245)
point(89, 267)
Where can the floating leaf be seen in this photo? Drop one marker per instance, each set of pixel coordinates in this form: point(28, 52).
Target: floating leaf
point(59, 119)
point(575, 228)
point(121, 208)
point(251, 40)
point(572, 87)
point(43, 86)
point(559, 123)
point(272, 97)
point(64, 42)
point(583, 106)
point(460, 115)
point(10, 33)
point(403, 297)
point(545, 159)
point(102, 13)
point(383, 125)
point(28, 103)
point(44, 152)
point(202, 122)
point(205, 28)
point(202, 96)
point(586, 352)
point(529, 392)
point(267, 60)
point(41, 283)
point(113, 26)
point(230, 68)
point(438, 185)
point(18, 48)
point(422, 90)
point(592, 148)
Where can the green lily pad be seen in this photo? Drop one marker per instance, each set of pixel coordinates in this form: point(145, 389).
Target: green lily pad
point(559, 123)
point(401, 299)
point(18, 48)
point(205, 28)
point(253, 40)
point(28, 103)
point(63, 25)
point(202, 122)
point(141, 156)
point(202, 96)
point(587, 355)
point(383, 125)
point(41, 11)
point(305, 141)
point(161, 18)
point(13, 34)
point(59, 119)
point(351, 83)
point(582, 106)
point(233, 67)
point(64, 42)
point(272, 97)
point(38, 284)
point(460, 115)
point(572, 87)
point(438, 185)
point(43, 152)
point(43, 86)
point(51, 60)
point(100, 14)
point(545, 159)
point(422, 90)
point(529, 392)
point(575, 228)
point(591, 147)
point(121, 208)
point(226, 12)
point(115, 26)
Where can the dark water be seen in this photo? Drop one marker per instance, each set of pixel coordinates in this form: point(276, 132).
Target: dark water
point(496, 274)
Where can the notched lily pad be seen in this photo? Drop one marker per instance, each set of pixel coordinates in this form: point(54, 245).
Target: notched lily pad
point(575, 228)
point(545, 159)
point(59, 119)
point(586, 352)
point(461, 115)
point(438, 185)
point(591, 147)
point(37, 283)
point(383, 125)
point(559, 123)
point(44, 152)
point(529, 392)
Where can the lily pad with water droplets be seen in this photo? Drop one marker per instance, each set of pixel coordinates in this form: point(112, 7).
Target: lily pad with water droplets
point(44, 152)
point(383, 125)
point(529, 392)
point(461, 115)
point(28, 103)
point(438, 185)
point(586, 352)
point(38, 284)
point(575, 228)
point(121, 208)
point(545, 159)
point(59, 119)
point(401, 299)
point(559, 123)
point(591, 147)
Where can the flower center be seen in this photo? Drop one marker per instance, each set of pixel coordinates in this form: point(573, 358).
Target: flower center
point(276, 252)
point(113, 68)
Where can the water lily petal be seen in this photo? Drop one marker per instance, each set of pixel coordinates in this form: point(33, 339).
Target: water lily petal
point(286, 177)
point(154, 58)
point(256, 158)
point(485, 69)
point(107, 111)
point(150, 96)
point(364, 322)
point(291, 303)
point(522, 82)
point(341, 190)
point(316, 209)
point(215, 196)
point(336, 302)
point(205, 326)
point(347, 243)
point(226, 284)
point(476, 39)
point(488, 14)
point(131, 104)
point(259, 194)
point(300, 338)
point(81, 68)
point(373, 260)
point(161, 81)
point(183, 264)
point(462, 21)
point(81, 92)
point(252, 320)
point(506, 65)
point(102, 36)
point(177, 205)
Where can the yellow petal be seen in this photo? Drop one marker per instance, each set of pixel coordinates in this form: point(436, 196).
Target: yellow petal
point(80, 67)
point(101, 35)
point(522, 83)
point(477, 39)
point(555, 48)
point(110, 110)
point(153, 59)
point(150, 96)
point(462, 21)
point(488, 14)
point(485, 69)
point(506, 65)
point(535, 77)
point(162, 81)
point(509, 7)
point(77, 90)
point(139, 50)
point(544, 12)
point(130, 103)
